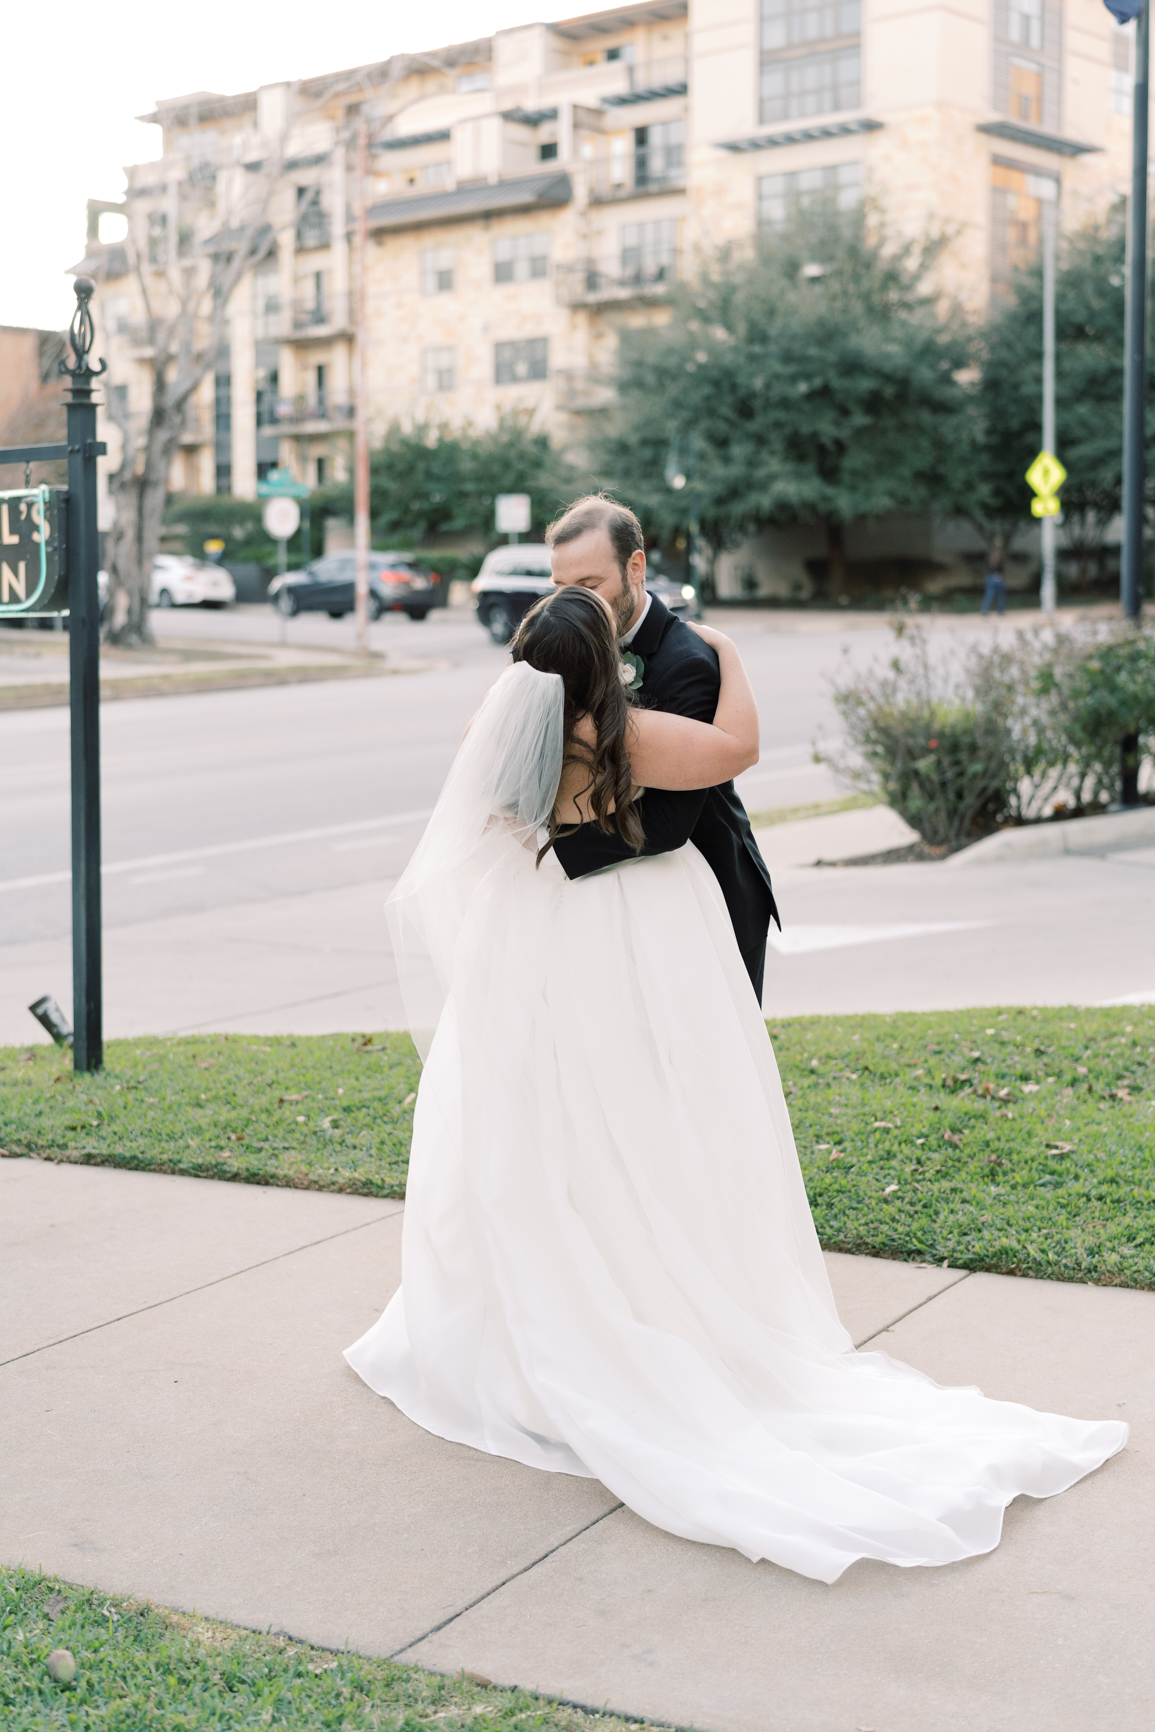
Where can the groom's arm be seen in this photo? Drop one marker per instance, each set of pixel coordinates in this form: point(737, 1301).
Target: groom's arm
point(669, 816)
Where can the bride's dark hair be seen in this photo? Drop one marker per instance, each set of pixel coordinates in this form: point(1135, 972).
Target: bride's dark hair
point(571, 633)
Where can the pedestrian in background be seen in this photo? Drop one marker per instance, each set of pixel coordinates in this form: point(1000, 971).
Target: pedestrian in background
point(995, 591)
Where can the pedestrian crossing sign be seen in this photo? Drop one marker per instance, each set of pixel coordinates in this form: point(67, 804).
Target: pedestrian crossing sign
point(1046, 475)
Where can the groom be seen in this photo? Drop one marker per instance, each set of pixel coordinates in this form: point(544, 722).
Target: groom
point(598, 544)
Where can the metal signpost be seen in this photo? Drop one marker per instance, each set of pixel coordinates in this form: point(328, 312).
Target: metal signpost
point(1135, 341)
point(48, 568)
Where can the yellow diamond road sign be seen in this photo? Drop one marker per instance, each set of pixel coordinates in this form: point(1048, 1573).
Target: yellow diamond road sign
point(1046, 474)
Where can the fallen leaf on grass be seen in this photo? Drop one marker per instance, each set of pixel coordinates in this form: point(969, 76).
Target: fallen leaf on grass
point(1082, 1070)
point(952, 1137)
point(408, 1101)
point(281, 1099)
point(1060, 1148)
point(1030, 1088)
point(1122, 1094)
point(258, 1049)
point(322, 1666)
point(890, 1190)
point(882, 1125)
point(836, 1156)
point(54, 1605)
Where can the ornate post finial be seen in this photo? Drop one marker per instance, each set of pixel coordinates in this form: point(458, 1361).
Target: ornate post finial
point(82, 334)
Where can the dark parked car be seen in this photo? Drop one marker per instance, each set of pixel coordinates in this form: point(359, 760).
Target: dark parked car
point(398, 583)
point(511, 579)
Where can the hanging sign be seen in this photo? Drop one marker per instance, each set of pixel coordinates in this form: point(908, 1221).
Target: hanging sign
point(33, 558)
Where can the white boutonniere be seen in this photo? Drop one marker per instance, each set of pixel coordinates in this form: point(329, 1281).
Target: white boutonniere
point(631, 670)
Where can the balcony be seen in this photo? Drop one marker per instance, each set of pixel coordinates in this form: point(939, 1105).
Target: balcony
point(197, 428)
point(645, 169)
point(589, 283)
point(314, 319)
point(649, 82)
point(313, 230)
point(325, 414)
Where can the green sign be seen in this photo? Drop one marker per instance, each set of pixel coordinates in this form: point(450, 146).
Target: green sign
point(278, 483)
point(33, 560)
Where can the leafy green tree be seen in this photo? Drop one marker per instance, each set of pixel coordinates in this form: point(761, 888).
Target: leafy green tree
point(811, 381)
point(1006, 431)
point(427, 480)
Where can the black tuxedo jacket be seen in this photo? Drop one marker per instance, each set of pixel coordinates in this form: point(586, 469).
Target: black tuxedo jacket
point(680, 675)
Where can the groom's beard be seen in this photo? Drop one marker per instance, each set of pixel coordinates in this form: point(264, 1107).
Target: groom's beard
point(624, 605)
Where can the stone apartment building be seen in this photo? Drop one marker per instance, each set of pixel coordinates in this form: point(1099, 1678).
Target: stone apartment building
point(531, 193)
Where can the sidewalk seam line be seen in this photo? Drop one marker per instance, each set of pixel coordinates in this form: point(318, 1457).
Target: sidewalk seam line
point(203, 1288)
point(929, 1300)
point(497, 1587)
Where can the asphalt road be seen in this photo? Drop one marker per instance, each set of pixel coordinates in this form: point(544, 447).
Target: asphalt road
point(218, 799)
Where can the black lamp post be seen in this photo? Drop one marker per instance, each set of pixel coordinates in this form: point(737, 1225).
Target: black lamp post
point(84, 680)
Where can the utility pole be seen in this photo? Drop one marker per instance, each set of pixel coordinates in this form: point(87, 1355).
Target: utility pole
point(1135, 384)
point(360, 406)
point(1048, 591)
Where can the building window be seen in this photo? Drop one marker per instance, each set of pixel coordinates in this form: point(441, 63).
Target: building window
point(659, 153)
point(224, 483)
point(117, 312)
point(268, 393)
point(796, 81)
point(650, 251)
point(1017, 199)
point(547, 152)
point(469, 82)
point(520, 257)
point(438, 369)
point(1025, 23)
point(436, 174)
point(157, 239)
point(514, 363)
point(321, 379)
point(1026, 86)
point(1025, 90)
point(118, 401)
point(322, 471)
point(436, 270)
point(1121, 39)
point(780, 195)
point(312, 221)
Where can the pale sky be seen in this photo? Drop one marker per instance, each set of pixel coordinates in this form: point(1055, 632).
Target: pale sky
point(75, 75)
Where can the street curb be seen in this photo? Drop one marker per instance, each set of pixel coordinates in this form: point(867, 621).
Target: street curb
point(1098, 835)
point(55, 694)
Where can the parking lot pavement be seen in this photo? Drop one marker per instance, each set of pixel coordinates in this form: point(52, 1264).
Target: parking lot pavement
point(176, 1421)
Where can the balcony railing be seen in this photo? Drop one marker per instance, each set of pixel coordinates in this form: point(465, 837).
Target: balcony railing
point(313, 230)
point(289, 413)
point(590, 282)
point(650, 80)
point(313, 317)
point(648, 168)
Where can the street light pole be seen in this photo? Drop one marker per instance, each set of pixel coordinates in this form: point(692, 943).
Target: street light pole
point(360, 406)
point(1135, 380)
point(1048, 595)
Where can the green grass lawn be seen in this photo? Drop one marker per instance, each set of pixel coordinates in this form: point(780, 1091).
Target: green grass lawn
point(138, 1666)
point(1021, 1141)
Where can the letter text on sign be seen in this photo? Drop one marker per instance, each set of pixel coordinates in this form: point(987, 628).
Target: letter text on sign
point(6, 535)
point(13, 582)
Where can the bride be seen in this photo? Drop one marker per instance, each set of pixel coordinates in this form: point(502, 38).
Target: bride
point(610, 1267)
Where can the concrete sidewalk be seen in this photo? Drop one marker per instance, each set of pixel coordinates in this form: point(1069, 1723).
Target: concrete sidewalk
point(176, 1421)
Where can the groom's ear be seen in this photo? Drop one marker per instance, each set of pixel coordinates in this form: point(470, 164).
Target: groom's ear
point(636, 567)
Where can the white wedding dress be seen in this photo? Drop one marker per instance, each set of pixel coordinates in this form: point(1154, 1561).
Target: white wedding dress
point(609, 1263)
